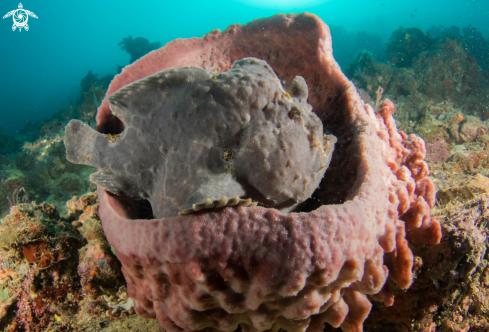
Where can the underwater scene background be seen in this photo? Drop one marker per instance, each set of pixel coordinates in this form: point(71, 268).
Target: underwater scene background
point(57, 270)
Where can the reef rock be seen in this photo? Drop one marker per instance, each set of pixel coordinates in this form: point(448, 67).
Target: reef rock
point(450, 292)
point(258, 267)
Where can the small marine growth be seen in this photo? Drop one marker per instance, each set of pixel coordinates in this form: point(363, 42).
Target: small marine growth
point(137, 47)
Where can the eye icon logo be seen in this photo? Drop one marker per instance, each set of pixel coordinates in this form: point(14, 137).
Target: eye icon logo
point(20, 17)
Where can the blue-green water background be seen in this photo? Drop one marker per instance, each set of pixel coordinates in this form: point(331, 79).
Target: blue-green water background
point(41, 69)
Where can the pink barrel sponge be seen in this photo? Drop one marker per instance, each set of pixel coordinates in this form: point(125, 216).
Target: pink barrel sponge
point(261, 268)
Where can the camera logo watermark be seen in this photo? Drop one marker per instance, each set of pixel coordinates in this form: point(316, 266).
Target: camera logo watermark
point(20, 17)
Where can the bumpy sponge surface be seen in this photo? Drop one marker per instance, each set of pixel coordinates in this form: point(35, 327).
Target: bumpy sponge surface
point(259, 267)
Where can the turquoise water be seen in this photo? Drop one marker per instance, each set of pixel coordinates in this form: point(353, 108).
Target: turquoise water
point(431, 58)
point(41, 69)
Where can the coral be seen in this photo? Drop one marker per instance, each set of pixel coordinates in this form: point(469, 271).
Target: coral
point(99, 270)
point(54, 277)
point(88, 81)
point(405, 45)
point(30, 131)
point(347, 45)
point(450, 292)
point(468, 161)
point(77, 207)
point(440, 32)
point(137, 47)
point(97, 267)
point(450, 120)
point(36, 273)
point(40, 166)
point(48, 175)
point(403, 83)
point(42, 145)
point(259, 267)
point(367, 73)
point(472, 128)
point(8, 144)
point(18, 197)
point(450, 73)
point(454, 120)
point(12, 189)
point(465, 190)
point(477, 45)
point(437, 150)
point(443, 72)
point(267, 125)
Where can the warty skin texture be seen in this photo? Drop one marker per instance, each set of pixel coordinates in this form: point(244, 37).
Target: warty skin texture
point(192, 135)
